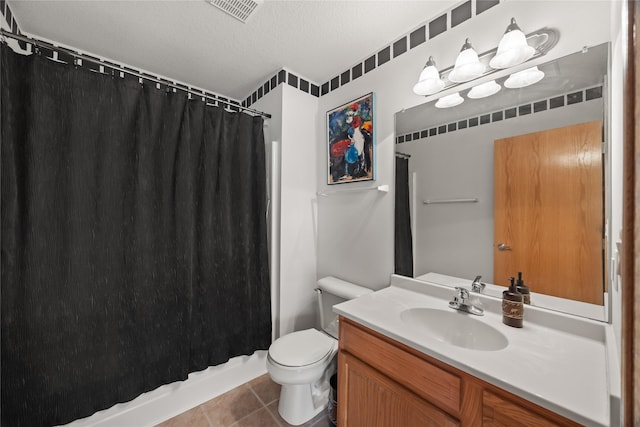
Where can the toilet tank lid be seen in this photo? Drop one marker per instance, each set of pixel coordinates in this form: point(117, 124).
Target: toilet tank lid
point(342, 288)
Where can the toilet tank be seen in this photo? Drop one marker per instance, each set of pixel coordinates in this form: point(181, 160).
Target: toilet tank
point(332, 291)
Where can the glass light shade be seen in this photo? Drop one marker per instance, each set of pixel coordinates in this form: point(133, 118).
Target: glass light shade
point(467, 66)
point(449, 101)
point(512, 49)
point(524, 78)
point(483, 90)
point(429, 81)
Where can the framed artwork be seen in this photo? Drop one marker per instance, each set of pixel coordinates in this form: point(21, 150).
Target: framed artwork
point(351, 141)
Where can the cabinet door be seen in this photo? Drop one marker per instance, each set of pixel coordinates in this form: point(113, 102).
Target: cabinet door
point(423, 378)
point(370, 399)
point(498, 412)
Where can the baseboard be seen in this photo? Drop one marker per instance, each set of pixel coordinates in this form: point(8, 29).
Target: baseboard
point(172, 399)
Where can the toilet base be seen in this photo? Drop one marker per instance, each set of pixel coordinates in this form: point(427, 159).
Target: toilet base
point(296, 404)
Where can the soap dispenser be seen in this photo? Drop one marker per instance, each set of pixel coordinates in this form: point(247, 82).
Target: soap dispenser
point(523, 289)
point(512, 307)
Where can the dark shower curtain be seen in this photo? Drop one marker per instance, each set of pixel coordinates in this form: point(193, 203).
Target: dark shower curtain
point(134, 243)
point(403, 242)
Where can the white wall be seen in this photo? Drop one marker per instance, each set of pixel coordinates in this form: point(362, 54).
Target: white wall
point(299, 212)
point(356, 229)
point(294, 126)
point(272, 104)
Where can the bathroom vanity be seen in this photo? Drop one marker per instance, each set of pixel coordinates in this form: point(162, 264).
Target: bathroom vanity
point(407, 359)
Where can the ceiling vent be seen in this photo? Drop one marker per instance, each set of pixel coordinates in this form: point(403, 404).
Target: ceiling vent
point(239, 9)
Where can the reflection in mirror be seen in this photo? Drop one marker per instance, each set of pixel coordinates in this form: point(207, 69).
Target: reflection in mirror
point(513, 182)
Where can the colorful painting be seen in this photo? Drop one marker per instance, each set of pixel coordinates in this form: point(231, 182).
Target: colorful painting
point(350, 134)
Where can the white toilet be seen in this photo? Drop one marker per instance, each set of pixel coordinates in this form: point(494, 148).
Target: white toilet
point(302, 362)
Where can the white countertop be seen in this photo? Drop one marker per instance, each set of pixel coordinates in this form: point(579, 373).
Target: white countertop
point(557, 361)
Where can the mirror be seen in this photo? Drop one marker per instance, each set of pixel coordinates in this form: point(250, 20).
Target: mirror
point(469, 218)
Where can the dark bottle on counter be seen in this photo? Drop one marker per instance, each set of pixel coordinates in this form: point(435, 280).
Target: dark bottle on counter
point(512, 306)
point(523, 289)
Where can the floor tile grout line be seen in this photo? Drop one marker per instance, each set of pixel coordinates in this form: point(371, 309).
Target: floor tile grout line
point(274, 417)
point(248, 415)
point(265, 405)
point(256, 395)
point(262, 405)
point(206, 416)
point(260, 399)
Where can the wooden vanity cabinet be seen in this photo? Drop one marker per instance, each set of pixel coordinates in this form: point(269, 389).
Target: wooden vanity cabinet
point(376, 400)
point(384, 383)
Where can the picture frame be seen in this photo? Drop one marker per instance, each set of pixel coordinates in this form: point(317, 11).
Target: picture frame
point(351, 141)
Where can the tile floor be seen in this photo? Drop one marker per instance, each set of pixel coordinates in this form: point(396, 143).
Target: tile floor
point(254, 404)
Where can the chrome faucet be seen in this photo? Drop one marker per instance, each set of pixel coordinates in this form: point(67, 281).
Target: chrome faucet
point(460, 302)
point(477, 285)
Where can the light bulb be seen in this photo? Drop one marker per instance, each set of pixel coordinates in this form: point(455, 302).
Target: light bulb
point(429, 81)
point(483, 90)
point(449, 101)
point(512, 49)
point(524, 78)
point(467, 66)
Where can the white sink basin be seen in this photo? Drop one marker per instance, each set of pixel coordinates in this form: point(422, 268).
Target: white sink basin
point(456, 328)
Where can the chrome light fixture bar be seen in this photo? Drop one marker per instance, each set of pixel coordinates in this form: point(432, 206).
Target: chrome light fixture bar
point(539, 42)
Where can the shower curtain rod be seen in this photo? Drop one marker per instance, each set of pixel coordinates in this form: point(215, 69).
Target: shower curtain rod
point(406, 156)
point(121, 69)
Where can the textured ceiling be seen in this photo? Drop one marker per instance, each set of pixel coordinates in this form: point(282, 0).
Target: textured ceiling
point(192, 42)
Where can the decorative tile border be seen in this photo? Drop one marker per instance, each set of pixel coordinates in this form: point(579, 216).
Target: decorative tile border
point(416, 37)
point(508, 113)
point(283, 76)
point(11, 22)
point(439, 25)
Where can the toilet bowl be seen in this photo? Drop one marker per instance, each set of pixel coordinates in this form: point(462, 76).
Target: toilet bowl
point(302, 362)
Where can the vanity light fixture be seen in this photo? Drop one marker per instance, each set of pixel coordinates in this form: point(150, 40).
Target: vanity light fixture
point(483, 90)
point(429, 81)
point(512, 49)
point(450, 101)
point(524, 78)
point(467, 66)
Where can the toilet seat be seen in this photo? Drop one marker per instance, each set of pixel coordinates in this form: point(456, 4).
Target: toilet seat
point(301, 348)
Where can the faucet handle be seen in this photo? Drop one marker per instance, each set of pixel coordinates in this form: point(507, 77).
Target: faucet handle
point(459, 302)
point(463, 294)
point(477, 285)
